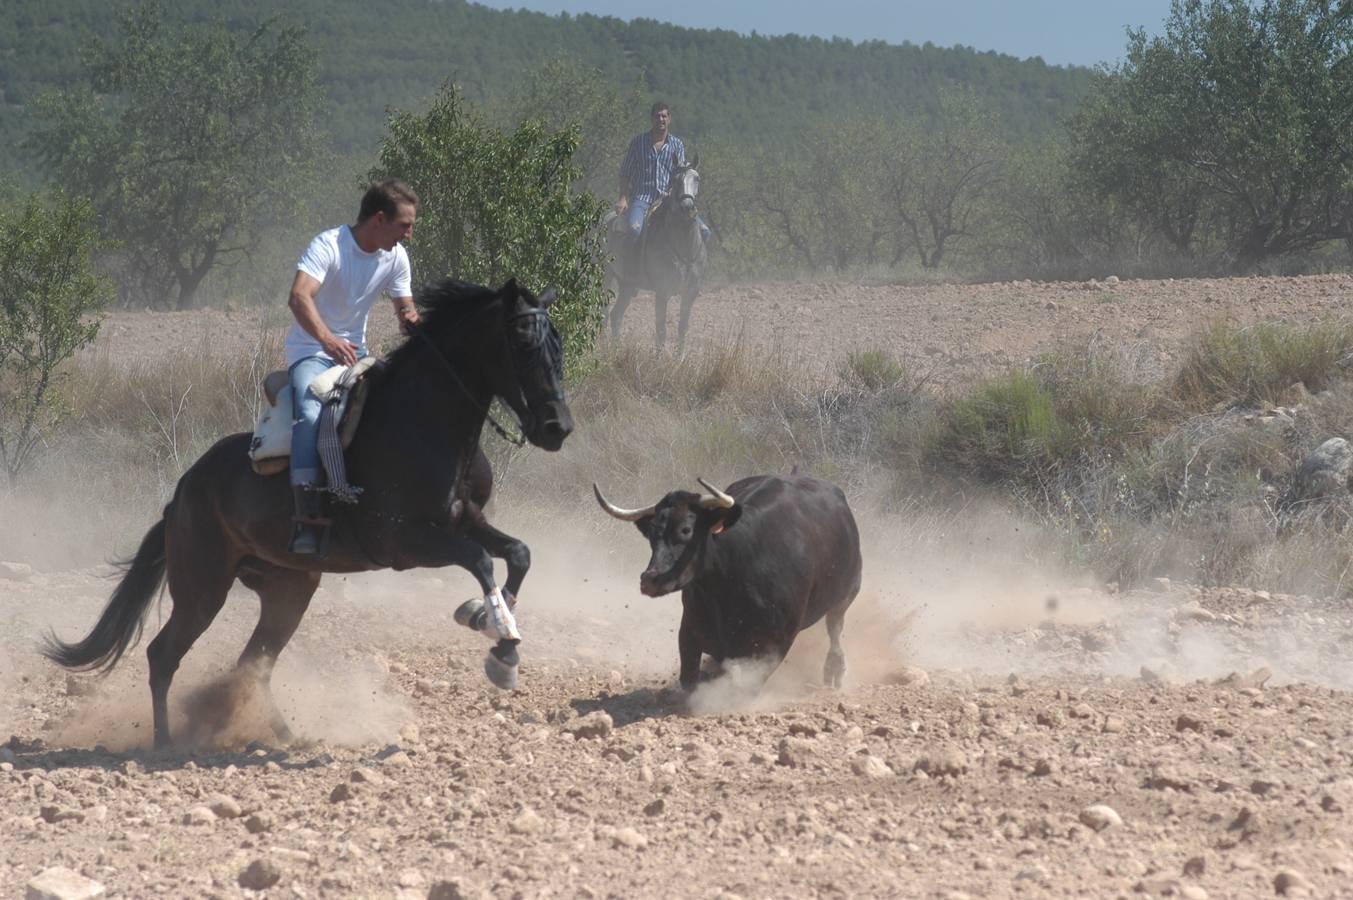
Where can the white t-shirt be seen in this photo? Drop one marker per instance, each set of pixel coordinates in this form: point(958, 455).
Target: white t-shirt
point(350, 280)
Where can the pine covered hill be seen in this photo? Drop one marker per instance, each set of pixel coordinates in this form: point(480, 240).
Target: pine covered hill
point(380, 54)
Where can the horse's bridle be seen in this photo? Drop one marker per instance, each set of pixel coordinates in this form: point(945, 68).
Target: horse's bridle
point(545, 339)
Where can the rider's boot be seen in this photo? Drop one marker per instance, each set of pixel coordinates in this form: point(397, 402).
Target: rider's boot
point(309, 528)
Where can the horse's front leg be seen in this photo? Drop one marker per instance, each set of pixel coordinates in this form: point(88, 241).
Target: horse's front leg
point(492, 615)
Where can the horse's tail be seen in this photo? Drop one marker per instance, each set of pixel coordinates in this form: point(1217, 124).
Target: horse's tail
point(120, 625)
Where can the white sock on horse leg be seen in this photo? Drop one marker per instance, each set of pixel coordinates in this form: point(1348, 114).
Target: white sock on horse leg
point(501, 624)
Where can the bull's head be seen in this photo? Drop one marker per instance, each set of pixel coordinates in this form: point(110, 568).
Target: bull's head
point(677, 527)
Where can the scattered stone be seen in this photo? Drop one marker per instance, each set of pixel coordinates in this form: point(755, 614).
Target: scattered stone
point(1253, 681)
point(398, 759)
point(628, 837)
point(259, 823)
point(454, 889)
point(526, 822)
point(259, 875)
point(55, 814)
point(656, 808)
point(597, 724)
point(795, 752)
point(225, 807)
point(1188, 723)
point(60, 883)
point(199, 815)
point(1045, 766)
point(1195, 866)
point(910, 676)
point(1291, 883)
point(1098, 817)
point(1082, 711)
point(409, 732)
point(1114, 725)
point(366, 775)
point(869, 766)
point(946, 761)
point(342, 793)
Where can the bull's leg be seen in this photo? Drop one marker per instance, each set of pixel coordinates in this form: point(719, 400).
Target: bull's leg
point(284, 596)
point(834, 669)
point(688, 649)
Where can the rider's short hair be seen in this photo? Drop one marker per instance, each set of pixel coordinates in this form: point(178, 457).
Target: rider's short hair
point(657, 107)
point(386, 196)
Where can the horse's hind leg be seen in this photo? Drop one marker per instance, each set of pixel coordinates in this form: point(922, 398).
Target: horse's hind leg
point(624, 293)
point(834, 669)
point(284, 595)
point(660, 319)
point(198, 587)
point(687, 301)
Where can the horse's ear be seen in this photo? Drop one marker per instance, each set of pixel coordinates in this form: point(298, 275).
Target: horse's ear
point(510, 288)
point(546, 298)
point(694, 160)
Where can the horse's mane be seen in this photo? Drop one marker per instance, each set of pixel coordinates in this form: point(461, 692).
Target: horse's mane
point(442, 306)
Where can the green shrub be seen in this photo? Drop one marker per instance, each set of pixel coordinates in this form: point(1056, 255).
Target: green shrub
point(872, 370)
point(1228, 366)
point(1007, 428)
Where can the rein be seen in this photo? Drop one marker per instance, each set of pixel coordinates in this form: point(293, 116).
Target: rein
point(518, 440)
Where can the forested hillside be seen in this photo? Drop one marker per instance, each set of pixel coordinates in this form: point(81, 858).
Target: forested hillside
point(375, 55)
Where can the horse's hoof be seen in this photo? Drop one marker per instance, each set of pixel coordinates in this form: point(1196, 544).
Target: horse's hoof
point(500, 664)
point(471, 614)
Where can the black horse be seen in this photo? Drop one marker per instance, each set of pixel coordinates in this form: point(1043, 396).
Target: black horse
point(669, 258)
point(416, 454)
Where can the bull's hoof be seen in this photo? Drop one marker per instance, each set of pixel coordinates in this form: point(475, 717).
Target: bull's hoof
point(500, 664)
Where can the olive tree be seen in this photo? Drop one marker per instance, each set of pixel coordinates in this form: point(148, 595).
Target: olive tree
point(187, 142)
point(496, 205)
point(49, 308)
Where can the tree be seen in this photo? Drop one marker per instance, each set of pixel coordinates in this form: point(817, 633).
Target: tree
point(495, 205)
point(49, 305)
point(564, 92)
point(1234, 127)
point(186, 141)
point(940, 178)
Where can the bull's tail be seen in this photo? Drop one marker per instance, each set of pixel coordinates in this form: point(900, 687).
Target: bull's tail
point(120, 625)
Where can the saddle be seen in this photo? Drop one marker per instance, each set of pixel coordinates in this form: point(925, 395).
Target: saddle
point(270, 447)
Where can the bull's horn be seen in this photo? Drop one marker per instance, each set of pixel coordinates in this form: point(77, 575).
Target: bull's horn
point(719, 500)
point(629, 515)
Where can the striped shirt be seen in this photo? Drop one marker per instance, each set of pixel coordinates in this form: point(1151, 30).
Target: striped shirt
point(648, 171)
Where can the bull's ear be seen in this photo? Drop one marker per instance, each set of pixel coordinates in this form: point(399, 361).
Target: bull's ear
point(643, 524)
point(546, 298)
point(725, 519)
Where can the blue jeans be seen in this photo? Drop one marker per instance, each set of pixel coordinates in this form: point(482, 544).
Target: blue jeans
point(638, 209)
point(305, 410)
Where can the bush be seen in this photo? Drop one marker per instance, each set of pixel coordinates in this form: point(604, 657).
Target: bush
point(872, 370)
point(496, 205)
point(1007, 429)
point(1228, 366)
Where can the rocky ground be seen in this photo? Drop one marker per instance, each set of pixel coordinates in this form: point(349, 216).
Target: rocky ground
point(1009, 739)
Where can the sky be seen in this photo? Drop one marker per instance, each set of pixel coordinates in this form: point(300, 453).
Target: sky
point(1063, 32)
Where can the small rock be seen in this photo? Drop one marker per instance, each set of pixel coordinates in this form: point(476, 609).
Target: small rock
point(597, 724)
point(795, 752)
point(409, 732)
point(656, 808)
point(1187, 723)
point(628, 837)
point(868, 766)
point(527, 822)
point(398, 759)
point(259, 875)
point(60, 883)
point(1045, 766)
point(342, 793)
point(1098, 817)
point(259, 823)
point(1291, 883)
point(454, 889)
point(1195, 866)
point(225, 807)
point(199, 815)
point(910, 676)
point(366, 775)
point(946, 761)
point(1113, 725)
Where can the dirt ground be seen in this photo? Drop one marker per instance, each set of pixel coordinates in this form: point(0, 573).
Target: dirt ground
point(1002, 732)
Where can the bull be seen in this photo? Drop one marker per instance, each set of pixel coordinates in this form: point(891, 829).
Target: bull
point(755, 566)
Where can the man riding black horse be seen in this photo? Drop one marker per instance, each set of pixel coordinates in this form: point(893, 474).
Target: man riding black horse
point(654, 173)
